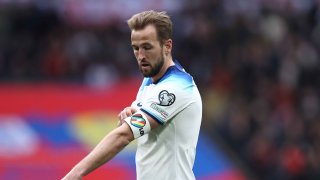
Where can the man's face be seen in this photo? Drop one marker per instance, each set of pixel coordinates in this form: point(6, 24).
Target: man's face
point(147, 50)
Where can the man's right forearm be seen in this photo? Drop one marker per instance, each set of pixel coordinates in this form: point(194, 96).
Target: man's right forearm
point(108, 147)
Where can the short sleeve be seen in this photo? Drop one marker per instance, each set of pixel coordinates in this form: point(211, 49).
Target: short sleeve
point(165, 100)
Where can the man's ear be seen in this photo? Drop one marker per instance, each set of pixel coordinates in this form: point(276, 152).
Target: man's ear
point(168, 45)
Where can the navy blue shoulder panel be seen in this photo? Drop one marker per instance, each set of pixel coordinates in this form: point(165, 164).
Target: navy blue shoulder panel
point(176, 70)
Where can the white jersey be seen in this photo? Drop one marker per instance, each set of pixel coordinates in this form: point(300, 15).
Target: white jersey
point(168, 152)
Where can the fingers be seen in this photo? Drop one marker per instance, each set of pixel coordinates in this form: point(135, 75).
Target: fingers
point(133, 110)
point(126, 112)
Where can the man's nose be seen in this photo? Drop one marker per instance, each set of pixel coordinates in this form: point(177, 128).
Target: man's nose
point(141, 54)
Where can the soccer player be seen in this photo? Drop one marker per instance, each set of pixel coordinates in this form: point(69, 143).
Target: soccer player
point(165, 118)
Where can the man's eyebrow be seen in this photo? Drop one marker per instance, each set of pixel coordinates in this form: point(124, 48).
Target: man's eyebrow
point(142, 44)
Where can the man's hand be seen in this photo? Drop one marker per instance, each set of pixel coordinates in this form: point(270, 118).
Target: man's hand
point(126, 112)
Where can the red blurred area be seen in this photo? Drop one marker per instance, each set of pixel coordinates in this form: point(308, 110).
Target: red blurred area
point(61, 98)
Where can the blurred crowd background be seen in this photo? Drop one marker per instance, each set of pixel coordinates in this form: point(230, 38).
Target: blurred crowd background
point(256, 63)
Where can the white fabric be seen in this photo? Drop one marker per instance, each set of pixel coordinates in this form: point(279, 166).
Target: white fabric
point(139, 124)
point(168, 152)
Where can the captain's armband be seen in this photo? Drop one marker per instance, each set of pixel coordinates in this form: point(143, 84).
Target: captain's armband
point(139, 124)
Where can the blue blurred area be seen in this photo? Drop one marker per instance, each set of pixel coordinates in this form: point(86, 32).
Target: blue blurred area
point(55, 133)
point(210, 159)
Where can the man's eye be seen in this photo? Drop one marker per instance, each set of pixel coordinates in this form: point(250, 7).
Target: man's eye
point(147, 47)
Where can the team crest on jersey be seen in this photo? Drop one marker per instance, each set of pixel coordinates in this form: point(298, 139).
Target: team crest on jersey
point(166, 98)
point(138, 121)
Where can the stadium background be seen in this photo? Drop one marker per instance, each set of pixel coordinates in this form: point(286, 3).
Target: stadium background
point(67, 69)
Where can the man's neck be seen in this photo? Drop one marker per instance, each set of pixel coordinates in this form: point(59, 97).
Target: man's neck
point(169, 62)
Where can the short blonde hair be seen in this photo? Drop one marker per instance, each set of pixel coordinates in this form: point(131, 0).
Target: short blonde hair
point(160, 20)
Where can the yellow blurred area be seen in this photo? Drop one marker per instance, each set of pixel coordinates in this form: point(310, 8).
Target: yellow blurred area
point(90, 127)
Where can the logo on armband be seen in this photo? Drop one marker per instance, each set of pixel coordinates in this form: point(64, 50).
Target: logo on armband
point(138, 121)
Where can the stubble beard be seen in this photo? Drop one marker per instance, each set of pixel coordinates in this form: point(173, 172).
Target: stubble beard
point(154, 69)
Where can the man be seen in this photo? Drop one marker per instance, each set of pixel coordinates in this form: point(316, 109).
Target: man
point(165, 118)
